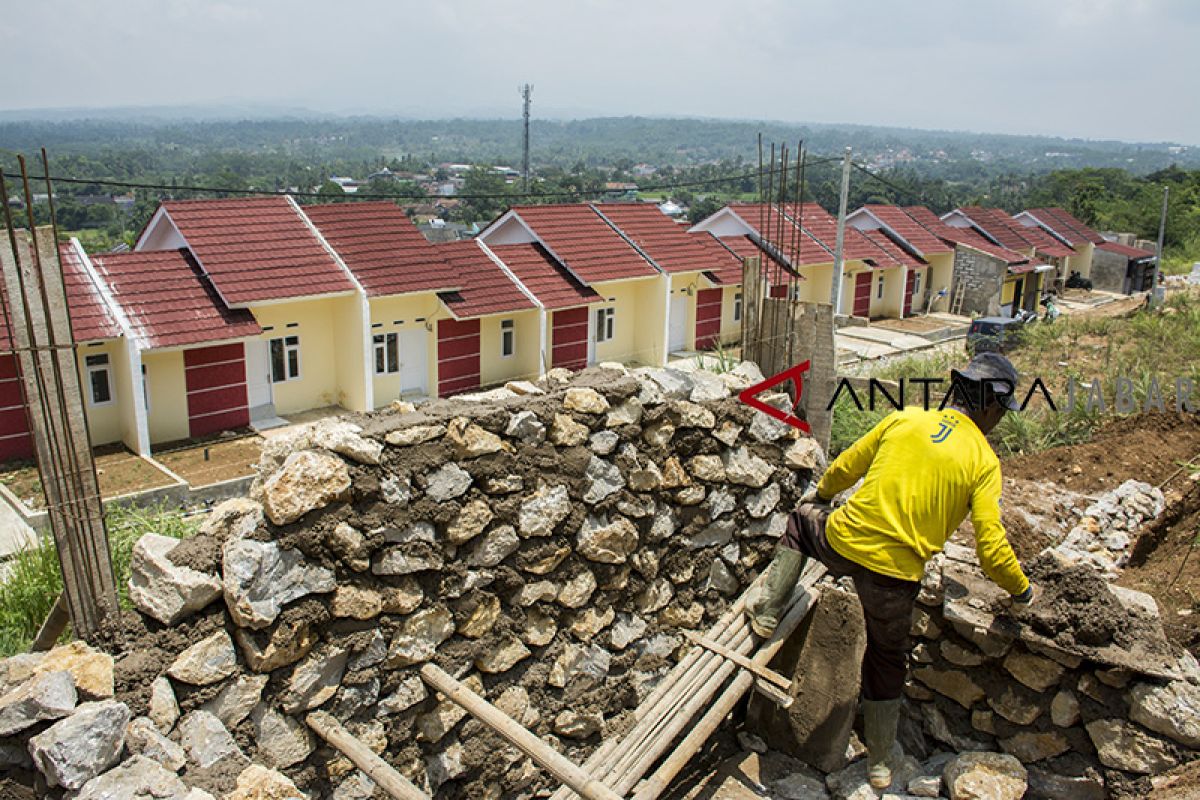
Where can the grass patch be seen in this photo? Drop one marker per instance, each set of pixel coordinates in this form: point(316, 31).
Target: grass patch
point(34, 579)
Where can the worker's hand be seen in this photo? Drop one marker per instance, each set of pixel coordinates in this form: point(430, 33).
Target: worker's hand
point(810, 497)
point(1026, 600)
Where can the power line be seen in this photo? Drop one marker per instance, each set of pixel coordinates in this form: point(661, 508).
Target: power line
point(903, 191)
point(398, 195)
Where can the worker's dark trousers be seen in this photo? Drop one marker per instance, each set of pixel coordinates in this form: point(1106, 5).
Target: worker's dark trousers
point(887, 603)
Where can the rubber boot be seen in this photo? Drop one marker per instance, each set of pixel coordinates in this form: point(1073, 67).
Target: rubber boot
point(782, 573)
point(880, 718)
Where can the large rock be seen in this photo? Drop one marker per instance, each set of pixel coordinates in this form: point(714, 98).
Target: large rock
point(951, 683)
point(498, 544)
point(691, 415)
point(410, 692)
point(604, 479)
point(503, 655)
point(985, 776)
point(575, 725)
point(164, 709)
point(525, 425)
point(50, 695)
point(419, 637)
point(206, 741)
point(605, 541)
point(416, 434)
point(343, 438)
point(280, 741)
point(566, 432)
point(407, 560)
point(315, 680)
point(267, 651)
point(260, 578)
point(470, 522)
point(1123, 745)
point(1172, 710)
point(707, 387)
point(161, 589)
point(585, 401)
point(1036, 672)
point(805, 454)
point(144, 739)
point(259, 783)
point(541, 512)
point(1030, 747)
point(745, 468)
point(471, 441)
point(138, 778)
point(74, 750)
point(447, 482)
point(91, 669)
point(307, 481)
point(206, 662)
point(235, 518)
point(627, 413)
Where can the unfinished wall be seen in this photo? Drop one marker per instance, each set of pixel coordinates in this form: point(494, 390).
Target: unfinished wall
point(983, 277)
point(1108, 270)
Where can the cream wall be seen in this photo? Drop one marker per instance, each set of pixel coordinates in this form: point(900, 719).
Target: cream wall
point(524, 363)
point(104, 421)
point(639, 324)
point(167, 417)
point(680, 283)
point(353, 380)
point(405, 313)
point(731, 329)
point(1082, 260)
point(817, 284)
point(892, 304)
point(316, 325)
point(941, 275)
point(128, 360)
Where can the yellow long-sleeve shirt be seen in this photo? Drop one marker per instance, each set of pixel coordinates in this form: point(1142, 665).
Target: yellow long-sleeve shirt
point(923, 471)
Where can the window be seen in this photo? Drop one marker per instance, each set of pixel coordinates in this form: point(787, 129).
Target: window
point(99, 382)
point(387, 353)
point(916, 284)
point(145, 389)
point(879, 291)
point(605, 324)
point(285, 359)
point(737, 307)
point(508, 338)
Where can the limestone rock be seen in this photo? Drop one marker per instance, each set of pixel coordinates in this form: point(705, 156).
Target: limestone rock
point(721, 579)
point(1064, 709)
point(764, 501)
point(577, 591)
point(348, 543)
point(164, 710)
point(627, 629)
point(690, 496)
point(498, 544)
point(951, 683)
point(585, 401)
point(407, 559)
point(586, 665)
point(727, 433)
point(671, 383)
point(536, 592)
point(540, 628)
point(628, 412)
point(707, 387)
point(1172, 710)
point(208, 661)
point(470, 522)
point(206, 740)
point(566, 432)
point(676, 616)
point(162, 590)
point(344, 438)
point(260, 578)
point(470, 440)
point(744, 468)
point(395, 490)
point(607, 542)
point(691, 415)
point(514, 701)
point(646, 478)
point(1030, 747)
point(655, 596)
point(91, 669)
point(76, 749)
point(138, 778)
point(420, 531)
point(659, 434)
point(541, 512)
point(410, 692)
point(280, 741)
point(236, 518)
point(959, 655)
point(417, 434)
point(1036, 672)
point(805, 454)
point(707, 468)
point(307, 481)
point(575, 725)
point(674, 475)
point(985, 776)
point(603, 443)
point(1017, 706)
point(480, 618)
point(445, 765)
point(604, 480)
point(403, 598)
point(420, 636)
point(590, 621)
point(502, 655)
point(143, 738)
point(447, 482)
point(237, 699)
point(315, 680)
point(355, 602)
point(851, 783)
point(49, 695)
point(1125, 746)
point(713, 535)
point(259, 783)
point(269, 650)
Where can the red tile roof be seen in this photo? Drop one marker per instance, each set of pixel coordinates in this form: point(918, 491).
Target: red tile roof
point(898, 253)
point(168, 300)
point(485, 288)
point(1064, 224)
point(964, 236)
point(666, 242)
point(382, 247)
point(257, 249)
point(552, 285)
point(1132, 253)
point(744, 247)
point(729, 269)
point(90, 316)
point(587, 245)
point(817, 234)
point(1009, 232)
point(908, 228)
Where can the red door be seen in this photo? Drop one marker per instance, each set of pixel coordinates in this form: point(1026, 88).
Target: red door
point(908, 292)
point(215, 378)
point(15, 441)
point(569, 338)
point(862, 294)
point(708, 317)
point(458, 356)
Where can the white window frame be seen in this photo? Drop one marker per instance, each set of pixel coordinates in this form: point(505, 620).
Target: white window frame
point(145, 389)
point(289, 348)
point(606, 324)
point(105, 367)
point(508, 338)
point(391, 359)
point(916, 283)
point(737, 307)
point(879, 290)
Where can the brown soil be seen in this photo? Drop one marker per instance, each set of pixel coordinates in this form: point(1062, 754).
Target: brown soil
point(1181, 783)
point(120, 472)
point(213, 462)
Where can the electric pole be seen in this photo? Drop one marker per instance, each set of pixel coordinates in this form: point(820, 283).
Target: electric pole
point(526, 93)
point(839, 263)
point(1162, 232)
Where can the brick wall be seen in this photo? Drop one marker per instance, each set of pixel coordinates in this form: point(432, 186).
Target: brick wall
point(1108, 271)
point(983, 276)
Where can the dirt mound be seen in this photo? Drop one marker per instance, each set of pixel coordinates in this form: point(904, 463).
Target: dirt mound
point(1076, 607)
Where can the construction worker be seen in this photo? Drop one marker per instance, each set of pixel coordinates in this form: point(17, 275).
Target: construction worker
point(922, 470)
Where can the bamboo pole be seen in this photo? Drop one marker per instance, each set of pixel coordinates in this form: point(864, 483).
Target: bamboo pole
point(557, 764)
point(766, 673)
point(364, 758)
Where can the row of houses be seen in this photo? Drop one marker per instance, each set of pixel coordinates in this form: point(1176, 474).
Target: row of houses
point(234, 313)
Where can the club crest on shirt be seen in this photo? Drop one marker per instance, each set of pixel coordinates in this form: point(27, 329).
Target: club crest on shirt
point(945, 427)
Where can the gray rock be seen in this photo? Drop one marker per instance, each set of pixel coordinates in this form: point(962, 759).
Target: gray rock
point(628, 412)
point(348, 543)
point(353, 698)
point(235, 702)
point(604, 479)
point(575, 725)
point(1048, 783)
point(720, 502)
point(626, 630)
point(280, 741)
point(851, 783)
point(693, 416)
point(1034, 671)
point(407, 560)
point(50, 695)
point(773, 526)
point(74, 750)
point(707, 387)
point(805, 453)
point(745, 468)
point(410, 692)
point(672, 383)
point(395, 490)
point(206, 662)
point(721, 579)
point(206, 740)
point(577, 591)
point(307, 481)
point(1064, 709)
point(655, 596)
point(765, 428)
point(343, 438)
point(603, 443)
point(445, 765)
point(498, 544)
point(1172, 710)
point(447, 482)
point(419, 531)
point(162, 590)
point(143, 738)
point(236, 518)
point(503, 655)
point(1029, 746)
point(260, 578)
point(925, 786)
point(419, 637)
point(139, 778)
point(587, 666)
point(1125, 746)
point(315, 680)
point(606, 542)
point(991, 775)
point(541, 511)
point(663, 525)
point(357, 787)
point(164, 710)
point(764, 501)
point(525, 426)
point(714, 535)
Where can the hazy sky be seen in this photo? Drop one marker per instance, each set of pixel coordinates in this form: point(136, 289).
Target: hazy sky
point(1123, 69)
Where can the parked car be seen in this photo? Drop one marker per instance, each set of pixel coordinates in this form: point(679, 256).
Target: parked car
point(993, 334)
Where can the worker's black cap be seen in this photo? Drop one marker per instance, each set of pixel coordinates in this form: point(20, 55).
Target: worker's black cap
point(994, 369)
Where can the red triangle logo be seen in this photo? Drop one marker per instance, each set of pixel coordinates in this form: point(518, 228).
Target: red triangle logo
point(795, 375)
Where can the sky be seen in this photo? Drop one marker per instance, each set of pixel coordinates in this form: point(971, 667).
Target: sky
point(1098, 69)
